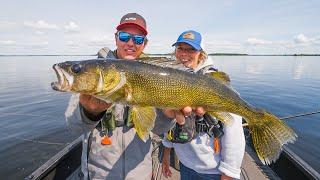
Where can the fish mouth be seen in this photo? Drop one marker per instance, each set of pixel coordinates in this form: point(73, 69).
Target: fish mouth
point(65, 80)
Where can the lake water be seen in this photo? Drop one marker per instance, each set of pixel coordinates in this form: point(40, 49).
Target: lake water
point(33, 128)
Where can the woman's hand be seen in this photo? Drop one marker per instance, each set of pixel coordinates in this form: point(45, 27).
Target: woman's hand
point(179, 115)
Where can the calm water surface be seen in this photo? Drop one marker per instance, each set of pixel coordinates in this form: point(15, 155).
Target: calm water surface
point(33, 128)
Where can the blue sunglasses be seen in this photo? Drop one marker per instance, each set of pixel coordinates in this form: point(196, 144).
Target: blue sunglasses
point(125, 37)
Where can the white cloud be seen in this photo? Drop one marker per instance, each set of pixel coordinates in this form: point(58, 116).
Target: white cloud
point(158, 47)
point(261, 43)
point(317, 40)
point(39, 32)
point(72, 44)
point(222, 44)
point(301, 39)
point(72, 27)
point(257, 42)
point(37, 45)
point(101, 41)
point(40, 25)
point(7, 24)
point(24, 45)
point(8, 43)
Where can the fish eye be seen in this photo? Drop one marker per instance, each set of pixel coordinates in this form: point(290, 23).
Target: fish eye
point(76, 68)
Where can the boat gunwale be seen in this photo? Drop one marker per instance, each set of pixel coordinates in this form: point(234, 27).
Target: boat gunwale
point(52, 163)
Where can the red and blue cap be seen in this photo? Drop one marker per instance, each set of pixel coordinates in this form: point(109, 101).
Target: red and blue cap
point(133, 19)
point(193, 38)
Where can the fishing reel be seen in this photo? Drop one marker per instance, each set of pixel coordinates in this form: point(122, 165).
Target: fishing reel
point(210, 125)
point(183, 133)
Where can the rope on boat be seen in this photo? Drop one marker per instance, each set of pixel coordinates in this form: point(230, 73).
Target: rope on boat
point(293, 116)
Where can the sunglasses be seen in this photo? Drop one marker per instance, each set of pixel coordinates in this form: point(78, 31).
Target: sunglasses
point(125, 37)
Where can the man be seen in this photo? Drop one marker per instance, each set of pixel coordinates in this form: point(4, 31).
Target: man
point(111, 148)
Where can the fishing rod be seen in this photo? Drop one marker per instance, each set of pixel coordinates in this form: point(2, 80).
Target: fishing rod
point(294, 116)
point(299, 115)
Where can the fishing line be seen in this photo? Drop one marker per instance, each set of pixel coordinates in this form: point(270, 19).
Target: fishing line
point(34, 141)
point(293, 116)
point(299, 115)
point(42, 142)
point(24, 114)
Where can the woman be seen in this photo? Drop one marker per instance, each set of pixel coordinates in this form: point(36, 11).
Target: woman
point(204, 157)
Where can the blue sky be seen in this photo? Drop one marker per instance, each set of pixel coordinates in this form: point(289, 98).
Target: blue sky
point(82, 27)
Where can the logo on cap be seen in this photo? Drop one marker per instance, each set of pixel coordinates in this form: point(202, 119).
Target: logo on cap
point(188, 35)
point(130, 19)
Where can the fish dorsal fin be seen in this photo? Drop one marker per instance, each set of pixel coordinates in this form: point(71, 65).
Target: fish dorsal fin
point(143, 119)
point(156, 60)
point(163, 62)
point(221, 76)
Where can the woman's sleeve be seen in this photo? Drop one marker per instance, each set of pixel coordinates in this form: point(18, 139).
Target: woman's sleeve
point(232, 148)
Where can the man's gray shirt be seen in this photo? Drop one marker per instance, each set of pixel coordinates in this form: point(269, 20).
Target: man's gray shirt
point(128, 157)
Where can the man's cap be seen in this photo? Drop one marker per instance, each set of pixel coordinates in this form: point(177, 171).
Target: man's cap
point(193, 38)
point(135, 20)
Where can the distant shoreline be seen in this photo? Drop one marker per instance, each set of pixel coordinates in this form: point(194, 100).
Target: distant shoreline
point(168, 54)
point(237, 54)
point(46, 55)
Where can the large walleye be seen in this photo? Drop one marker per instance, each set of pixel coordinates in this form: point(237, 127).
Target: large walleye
point(146, 86)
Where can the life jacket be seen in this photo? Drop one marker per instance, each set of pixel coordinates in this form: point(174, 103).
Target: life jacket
point(109, 122)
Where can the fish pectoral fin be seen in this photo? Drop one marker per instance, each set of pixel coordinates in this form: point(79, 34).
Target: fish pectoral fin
point(143, 119)
point(128, 93)
point(224, 117)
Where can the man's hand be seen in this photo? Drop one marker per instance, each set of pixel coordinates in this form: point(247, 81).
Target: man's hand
point(179, 115)
point(93, 105)
point(166, 163)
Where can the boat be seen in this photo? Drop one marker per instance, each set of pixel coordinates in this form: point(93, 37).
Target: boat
point(66, 164)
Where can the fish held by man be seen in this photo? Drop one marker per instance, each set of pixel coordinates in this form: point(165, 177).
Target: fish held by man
point(145, 86)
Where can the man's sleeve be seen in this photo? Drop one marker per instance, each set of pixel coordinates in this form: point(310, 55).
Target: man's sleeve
point(77, 122)
point(232, 148)
point(105, 53)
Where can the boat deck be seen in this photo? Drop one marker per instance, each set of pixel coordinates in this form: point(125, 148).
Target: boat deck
point(66, 165)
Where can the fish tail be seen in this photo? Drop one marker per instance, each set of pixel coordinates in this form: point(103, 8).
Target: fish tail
point(269, 134)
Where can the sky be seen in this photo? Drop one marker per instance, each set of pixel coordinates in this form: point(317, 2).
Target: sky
point(228, 26)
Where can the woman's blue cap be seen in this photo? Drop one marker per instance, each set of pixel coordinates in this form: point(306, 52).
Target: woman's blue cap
point(193, 38)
